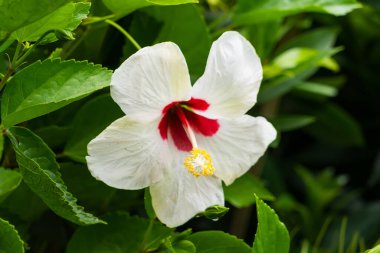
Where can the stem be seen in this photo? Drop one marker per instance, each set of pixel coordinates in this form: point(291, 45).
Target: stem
point(22, 58)
point(322, 232)
point(92, 20)
point(342, 235)
point(124, 32)
point(146, 235)
point(16, 55)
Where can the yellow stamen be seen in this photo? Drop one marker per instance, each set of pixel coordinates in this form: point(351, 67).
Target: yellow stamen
point(199, 163)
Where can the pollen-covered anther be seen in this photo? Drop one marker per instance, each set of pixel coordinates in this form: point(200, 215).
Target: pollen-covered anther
point(199, 163)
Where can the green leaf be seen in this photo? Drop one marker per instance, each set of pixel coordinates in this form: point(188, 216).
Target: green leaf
point(23, 203)
point(86, 127)
point(92, 193)
point(40, 172)
point(285, 123)
point(271, 234)
point(292, 78)
point(242, 192)
point(293, 58)
point(376, 249)
point(122, 7)
point(46, 86)
point(321, 189)
point(66, 18)
point(217, 241)
point(182, 246)
point(316, 89)
point(18, 13)
point(123, 233)
point(335, 126)
point(257, 11)
point(10, 241)
point(195, 43)
point(9, 181)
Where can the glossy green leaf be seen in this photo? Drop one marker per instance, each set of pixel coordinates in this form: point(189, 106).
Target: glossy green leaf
point(86, 127)
point(123, 233)
point(18, 13)
point(271, 234)
point(65, 18)
point(9, 181)
point(10, 241)
point(242, 192)
point(249, 12)
point(46, 86)
point(285, 123)
point(123, 7)
point(218, 241)
point(195, 43)
point(40, 172)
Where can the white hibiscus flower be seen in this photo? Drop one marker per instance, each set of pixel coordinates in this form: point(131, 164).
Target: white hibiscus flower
point(179, 140)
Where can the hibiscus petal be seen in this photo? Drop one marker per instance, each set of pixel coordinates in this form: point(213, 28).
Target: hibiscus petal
point(180, 195)
point(151, 79)
point(237, 145)
point(232, 77)
point(128, 154)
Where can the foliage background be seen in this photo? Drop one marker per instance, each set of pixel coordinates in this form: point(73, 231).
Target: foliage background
point(320, 90)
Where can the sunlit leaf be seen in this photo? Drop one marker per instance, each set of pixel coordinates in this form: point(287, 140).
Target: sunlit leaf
point(65, 18)
point(47, 86)
point(271, 234)
point(18, 13)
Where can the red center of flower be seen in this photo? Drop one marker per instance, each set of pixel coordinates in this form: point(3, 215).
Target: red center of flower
point(179, 115)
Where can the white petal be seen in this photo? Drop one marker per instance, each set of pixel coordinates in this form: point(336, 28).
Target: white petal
point(232, 77)
point(128, 154)
point(151, 79)
point(237, 145)
point(180, 195)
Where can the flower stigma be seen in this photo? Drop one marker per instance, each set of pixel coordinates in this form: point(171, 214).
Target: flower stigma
point(199, 163)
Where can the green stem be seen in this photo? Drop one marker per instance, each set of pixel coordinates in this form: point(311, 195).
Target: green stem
point(124, 32)
point(7, 43)
point(322, 232)
point(22, 58)
point(16, 55)
point(93, 20)
point(146, 235)
point(342, 235)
